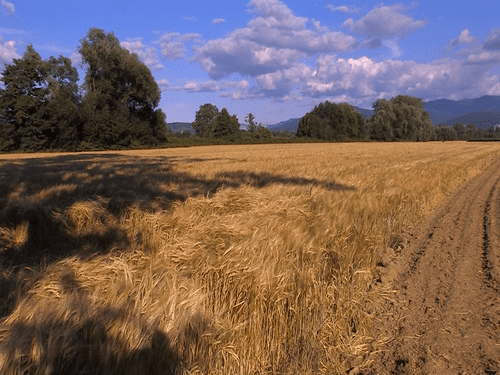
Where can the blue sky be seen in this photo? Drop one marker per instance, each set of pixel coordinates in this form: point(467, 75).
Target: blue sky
point(277, 59)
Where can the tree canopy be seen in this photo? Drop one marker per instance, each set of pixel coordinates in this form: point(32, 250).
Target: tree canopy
point(209, 122)
point(121, 94)
point(330, 121)
point(401, 118)
point(38, 106)
point(41, 106)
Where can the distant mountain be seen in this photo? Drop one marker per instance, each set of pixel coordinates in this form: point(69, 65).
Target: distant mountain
point(177, 127)
point(364, 112)
point(481, 111)
point(482, 119)
point(291, 125)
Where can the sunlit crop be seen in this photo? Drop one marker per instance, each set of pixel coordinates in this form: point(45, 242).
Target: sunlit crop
point(243, 259)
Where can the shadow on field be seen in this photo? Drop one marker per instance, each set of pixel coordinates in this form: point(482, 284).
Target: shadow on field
point(81, 341)
point(38, 193)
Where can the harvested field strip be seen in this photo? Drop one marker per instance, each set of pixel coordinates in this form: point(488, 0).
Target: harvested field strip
point(217, 260)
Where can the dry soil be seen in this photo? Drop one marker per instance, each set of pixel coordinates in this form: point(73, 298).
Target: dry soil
point(444, 315)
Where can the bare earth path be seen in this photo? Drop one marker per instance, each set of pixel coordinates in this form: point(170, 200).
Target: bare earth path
point(444, 317)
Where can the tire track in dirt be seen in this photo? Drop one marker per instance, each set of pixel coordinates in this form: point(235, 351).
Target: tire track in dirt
point(445, 315)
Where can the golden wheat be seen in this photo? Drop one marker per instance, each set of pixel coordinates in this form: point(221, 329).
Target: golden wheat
point(213, 260)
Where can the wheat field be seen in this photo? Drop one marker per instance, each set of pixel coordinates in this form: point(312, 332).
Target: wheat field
point(252, 259)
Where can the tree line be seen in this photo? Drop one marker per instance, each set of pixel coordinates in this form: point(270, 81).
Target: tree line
point(42, 107)
point(402, 118)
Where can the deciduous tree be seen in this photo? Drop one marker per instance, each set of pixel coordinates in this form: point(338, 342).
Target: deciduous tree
point(332, 121)
point(121, 98)
point(38, 106)
point(204, 120)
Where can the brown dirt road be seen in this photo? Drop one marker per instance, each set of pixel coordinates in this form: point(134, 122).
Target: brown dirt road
point(444, 316)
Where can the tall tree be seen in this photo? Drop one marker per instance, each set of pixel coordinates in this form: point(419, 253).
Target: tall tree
point(401, 118)
point(39, 103)
point(251, 123)
point(121, 98)
point(64, 101)
point(204, 124)
point(226, 126)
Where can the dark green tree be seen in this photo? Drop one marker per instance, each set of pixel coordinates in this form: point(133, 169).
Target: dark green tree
point(472, 131)
point(225, 125)
point(251, 123)
point(20, 103)
point(332, 121)
point(460, 129)
point(262, 132)
point(401, 118)
point(121, 95)
point(63, 105)
point(204, 124)
point(38, 106)
point(445, 133)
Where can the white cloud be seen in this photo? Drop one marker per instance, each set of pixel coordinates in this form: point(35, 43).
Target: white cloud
point(493, 41)
point(463, 38)
point(214, 86)
point(384, 22)
point(76, 59)
point(8, 52)
point(486, 57)
point(342, 8)
point(366, 79)
point(275, 39)
point(148, 55)
point(218, 21)
point(173, 44)
point(165, 85)
point(9, 7)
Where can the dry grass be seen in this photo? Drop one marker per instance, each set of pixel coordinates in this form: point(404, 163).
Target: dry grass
point(211, 260)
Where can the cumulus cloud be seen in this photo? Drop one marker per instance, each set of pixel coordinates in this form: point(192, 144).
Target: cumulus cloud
point(493, 41)
point(148, 55)
point(366, 79)
point(384, 22)
point(342, 8)
point(8, 52)
point(274, 39)
point(165, 85)
point(463, 38)
point(218, 21)
point(484, 57)
point(173, 44)
point(9, 7)
point(214, 86)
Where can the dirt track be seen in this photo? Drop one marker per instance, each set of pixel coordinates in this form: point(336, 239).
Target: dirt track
point(444, 317)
